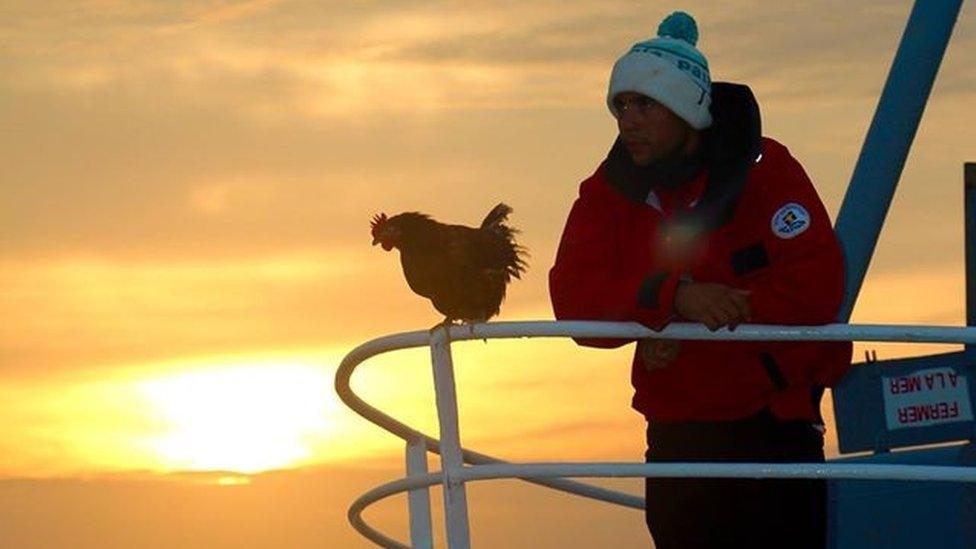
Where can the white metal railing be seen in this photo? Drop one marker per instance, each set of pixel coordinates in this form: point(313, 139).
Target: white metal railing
point(455, 473)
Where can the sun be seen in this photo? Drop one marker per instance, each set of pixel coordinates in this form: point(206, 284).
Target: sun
point(245, 419)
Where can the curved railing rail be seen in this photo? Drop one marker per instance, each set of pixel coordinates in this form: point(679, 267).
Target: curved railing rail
point(453, 457)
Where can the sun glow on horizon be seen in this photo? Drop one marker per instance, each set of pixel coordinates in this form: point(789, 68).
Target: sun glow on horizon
point(241, 418)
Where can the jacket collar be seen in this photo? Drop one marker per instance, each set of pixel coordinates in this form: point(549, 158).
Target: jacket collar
point(636, 182)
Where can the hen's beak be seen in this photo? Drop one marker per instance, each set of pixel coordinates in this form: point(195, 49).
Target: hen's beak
point(376, 241)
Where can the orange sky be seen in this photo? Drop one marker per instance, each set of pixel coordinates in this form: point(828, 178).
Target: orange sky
point(184, 255)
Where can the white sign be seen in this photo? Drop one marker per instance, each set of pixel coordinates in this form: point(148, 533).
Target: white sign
point(926, 397)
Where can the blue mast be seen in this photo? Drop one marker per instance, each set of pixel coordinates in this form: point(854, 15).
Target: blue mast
point(890, 136)
point(969, 177)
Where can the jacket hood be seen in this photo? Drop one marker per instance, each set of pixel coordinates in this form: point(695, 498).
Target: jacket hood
point(730, 145)
point(729, 148)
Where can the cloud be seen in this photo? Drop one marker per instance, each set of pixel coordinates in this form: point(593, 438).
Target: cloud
point(306, 58)
point(183, 179)
point(88, 313)
point(182, 128)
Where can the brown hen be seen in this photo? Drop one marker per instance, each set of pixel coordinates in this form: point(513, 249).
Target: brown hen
point(462, 270)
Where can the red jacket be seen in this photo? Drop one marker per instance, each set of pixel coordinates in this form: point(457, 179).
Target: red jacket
point(617, 261)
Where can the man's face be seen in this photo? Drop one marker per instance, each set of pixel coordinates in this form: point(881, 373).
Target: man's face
point(648, 129)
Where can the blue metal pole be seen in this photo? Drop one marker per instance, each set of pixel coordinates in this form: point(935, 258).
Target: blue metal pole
point(890, 136)
point(969, 178)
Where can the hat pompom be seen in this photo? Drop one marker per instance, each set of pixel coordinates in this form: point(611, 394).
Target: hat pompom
point(679, 25)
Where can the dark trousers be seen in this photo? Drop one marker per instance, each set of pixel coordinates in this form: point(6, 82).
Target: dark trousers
point(736, 513)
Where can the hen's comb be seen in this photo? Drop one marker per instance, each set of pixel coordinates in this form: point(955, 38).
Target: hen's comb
point(377, 222)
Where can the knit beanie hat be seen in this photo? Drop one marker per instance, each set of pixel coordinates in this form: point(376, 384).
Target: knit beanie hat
point(669, 70)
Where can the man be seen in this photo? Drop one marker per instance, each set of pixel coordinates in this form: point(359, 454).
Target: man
point(695, 217)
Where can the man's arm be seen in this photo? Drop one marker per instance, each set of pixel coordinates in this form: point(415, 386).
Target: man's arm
point(587, 283)
point(803, 283)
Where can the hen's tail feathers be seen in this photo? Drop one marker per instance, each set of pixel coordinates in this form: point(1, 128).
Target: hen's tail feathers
point(515, 255)
point(496, 217)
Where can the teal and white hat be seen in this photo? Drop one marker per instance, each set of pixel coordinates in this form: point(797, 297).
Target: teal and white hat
point(669, 70)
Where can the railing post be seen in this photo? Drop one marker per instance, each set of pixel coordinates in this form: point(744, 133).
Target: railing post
point(418, 501)
point(452, 460)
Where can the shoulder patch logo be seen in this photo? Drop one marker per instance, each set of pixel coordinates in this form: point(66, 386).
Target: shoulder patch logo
point(790, 220)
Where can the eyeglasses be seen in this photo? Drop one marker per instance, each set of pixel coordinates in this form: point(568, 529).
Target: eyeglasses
point(640, 104)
